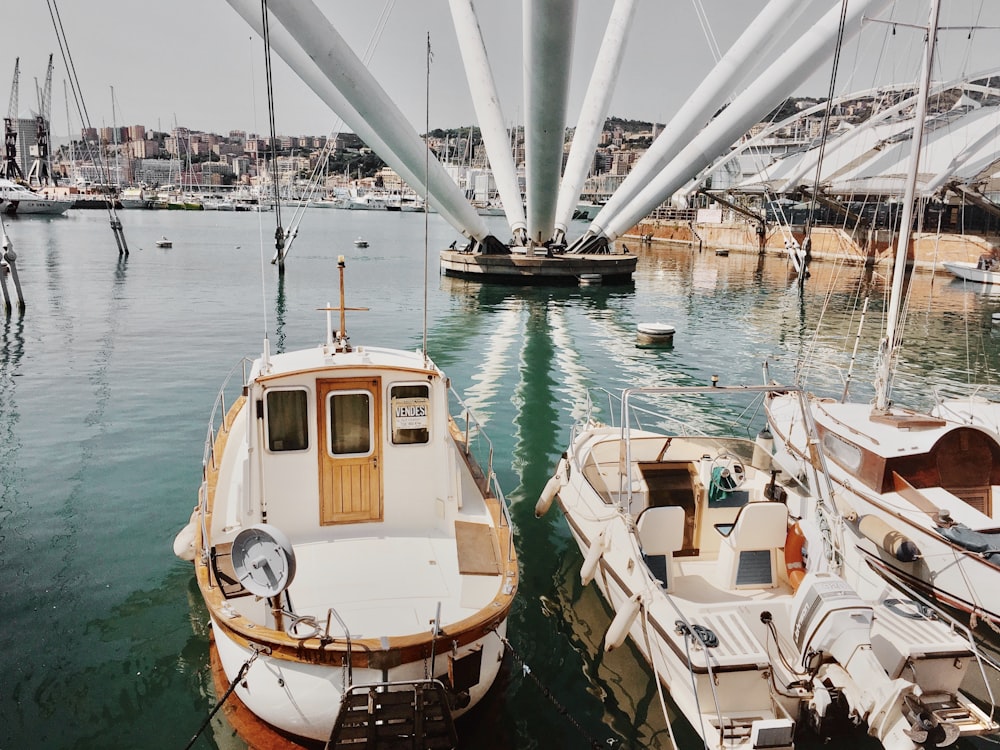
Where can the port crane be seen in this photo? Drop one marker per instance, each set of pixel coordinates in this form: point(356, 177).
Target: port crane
point(41, 173)
point(9, 168)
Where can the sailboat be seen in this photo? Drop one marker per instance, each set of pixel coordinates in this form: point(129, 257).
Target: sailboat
point(915, 491)
point(717, 570)
point(355, 557)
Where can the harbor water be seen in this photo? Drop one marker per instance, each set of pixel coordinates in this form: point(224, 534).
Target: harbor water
point(108, 376)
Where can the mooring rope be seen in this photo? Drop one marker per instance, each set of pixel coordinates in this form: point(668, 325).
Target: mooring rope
point(232, 686)
point(526, 670)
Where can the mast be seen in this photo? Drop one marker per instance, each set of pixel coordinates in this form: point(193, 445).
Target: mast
point(889, 346)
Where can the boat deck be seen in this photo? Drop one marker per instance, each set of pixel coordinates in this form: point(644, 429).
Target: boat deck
point(388, 586)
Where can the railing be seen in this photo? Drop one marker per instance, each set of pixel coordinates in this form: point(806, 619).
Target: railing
point(479, 449)
point(217, 423)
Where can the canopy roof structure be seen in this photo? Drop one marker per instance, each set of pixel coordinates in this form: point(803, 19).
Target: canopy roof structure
point(868, 158)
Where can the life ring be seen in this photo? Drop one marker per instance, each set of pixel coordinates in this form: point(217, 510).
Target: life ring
point(795, 567)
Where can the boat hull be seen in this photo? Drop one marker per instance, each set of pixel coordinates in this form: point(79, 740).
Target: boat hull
point(304, 698)
point(971, 272)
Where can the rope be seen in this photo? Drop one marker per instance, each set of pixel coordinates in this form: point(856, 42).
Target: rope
point(526, 670)
point(232, 686)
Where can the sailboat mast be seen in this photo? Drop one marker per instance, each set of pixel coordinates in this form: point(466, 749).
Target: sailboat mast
point(893, 333)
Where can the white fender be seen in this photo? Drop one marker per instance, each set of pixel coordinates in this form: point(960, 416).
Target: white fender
point(622, 623)
point(184, 541)
point(590, 562)
point(551, 490)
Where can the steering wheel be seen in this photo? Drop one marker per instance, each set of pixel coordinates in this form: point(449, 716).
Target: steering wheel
point(728, 473)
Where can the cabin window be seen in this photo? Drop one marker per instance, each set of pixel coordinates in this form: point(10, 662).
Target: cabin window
point(350, 423)
point(844, 453)
point(410, 414)
point(287, 420)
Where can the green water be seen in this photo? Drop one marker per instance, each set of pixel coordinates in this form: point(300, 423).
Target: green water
point(107, 379)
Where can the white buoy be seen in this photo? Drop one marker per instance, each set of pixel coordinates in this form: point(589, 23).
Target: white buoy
point(996, 319)
point(551, 490)
point(622, 623)
point(654, 333)
point(184, 541)
point(590, 279)
point(593, 558)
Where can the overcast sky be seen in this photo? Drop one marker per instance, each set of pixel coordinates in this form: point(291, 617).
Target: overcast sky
point(199, 64)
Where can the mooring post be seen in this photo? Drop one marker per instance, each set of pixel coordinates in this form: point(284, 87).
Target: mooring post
point(9, 266)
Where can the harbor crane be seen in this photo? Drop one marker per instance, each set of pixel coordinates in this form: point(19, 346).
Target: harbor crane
point(41, 173)
point(9, 168)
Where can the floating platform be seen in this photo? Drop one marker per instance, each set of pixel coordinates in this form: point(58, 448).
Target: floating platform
point(522, 268)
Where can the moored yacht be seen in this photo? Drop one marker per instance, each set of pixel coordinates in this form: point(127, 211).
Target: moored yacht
point(356, 558)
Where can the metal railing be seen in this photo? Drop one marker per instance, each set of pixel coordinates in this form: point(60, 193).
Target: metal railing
point(479, 449)
point(217, 423)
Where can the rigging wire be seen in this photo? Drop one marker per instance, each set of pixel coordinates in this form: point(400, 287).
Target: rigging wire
point(824, 136)
point(279, 231)
point(74, 82)
point(331, 141)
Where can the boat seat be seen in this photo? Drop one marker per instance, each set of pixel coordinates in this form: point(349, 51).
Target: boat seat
point(748, 552)
point(661, 533)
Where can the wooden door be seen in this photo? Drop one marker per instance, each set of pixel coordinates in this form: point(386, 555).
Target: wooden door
point(350, 450)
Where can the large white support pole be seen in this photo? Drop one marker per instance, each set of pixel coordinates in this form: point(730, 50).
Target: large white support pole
point(370, 108)
point(549, 28)
point(756, 100)
point(488, 111)
point(594, 111)
point(710, 96)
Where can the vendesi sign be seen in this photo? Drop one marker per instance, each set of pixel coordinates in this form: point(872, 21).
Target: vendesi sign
point(410, 413)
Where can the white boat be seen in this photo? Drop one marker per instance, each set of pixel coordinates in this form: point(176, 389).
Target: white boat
point(360, 242)
point(361, 200)
point(17, 200)
point(164, 242)
point(986, 271)
point(699, 547)
point(350, 549)
point(915, 490)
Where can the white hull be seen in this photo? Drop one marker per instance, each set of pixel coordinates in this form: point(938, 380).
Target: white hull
point(306, 700)
point(955, 576)
point(971, 272)
point(653, 542)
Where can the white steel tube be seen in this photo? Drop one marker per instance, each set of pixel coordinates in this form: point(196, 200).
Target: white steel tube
point(594, 111)
point(711, 94)
point(756, 100)
point(488, 110)
point(369, 103)
point(548, 30)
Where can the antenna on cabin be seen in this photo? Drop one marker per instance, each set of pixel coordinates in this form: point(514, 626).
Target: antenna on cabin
point(342, 339)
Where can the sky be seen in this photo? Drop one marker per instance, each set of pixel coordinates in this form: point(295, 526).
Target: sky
point(198, 64)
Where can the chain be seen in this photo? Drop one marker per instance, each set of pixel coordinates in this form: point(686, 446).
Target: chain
point(526, 670)
point(232, 686)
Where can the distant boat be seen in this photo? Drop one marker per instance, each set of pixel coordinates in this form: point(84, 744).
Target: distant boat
point(164, 242)
point(360, 242)
point(17, 200)
point(986, 271)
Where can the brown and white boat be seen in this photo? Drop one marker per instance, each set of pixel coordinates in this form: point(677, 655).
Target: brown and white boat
point(355, 557)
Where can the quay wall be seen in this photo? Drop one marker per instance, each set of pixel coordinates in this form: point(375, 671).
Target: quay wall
point(869, 247)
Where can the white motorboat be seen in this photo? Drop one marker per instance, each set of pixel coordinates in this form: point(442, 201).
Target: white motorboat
point(985, 271)
point(712, 562)
point(17, 200)
point(353, 554)
point(164, 242)
point(360, 242)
